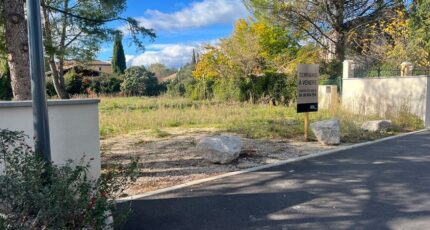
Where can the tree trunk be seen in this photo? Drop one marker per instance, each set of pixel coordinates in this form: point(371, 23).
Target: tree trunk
point(340, 52)
point(339, 30)
point(17, 48)
point(57, 79)
point(340, 46)
point(57, 70)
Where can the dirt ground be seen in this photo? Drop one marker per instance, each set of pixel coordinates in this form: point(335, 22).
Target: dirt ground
point(172, 159)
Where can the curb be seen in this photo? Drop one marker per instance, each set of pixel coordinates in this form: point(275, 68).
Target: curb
point(313, 155)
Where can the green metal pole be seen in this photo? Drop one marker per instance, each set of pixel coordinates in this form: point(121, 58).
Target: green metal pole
point(38, 89)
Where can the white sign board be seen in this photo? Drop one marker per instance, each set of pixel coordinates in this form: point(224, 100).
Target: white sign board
point(307, 87)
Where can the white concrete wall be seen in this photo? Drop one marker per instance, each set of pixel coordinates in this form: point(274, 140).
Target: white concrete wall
point(328, 97)
point(386, 96)
point(74, 129)
point(427, 119)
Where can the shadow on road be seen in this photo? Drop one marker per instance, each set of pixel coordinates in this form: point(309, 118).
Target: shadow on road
point(381, 186)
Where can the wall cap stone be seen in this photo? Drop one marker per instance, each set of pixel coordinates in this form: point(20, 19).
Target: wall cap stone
point(12, 104)
point(379, 78)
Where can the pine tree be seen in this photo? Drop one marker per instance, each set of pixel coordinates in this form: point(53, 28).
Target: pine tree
point(194, 60)
point(323, 21)
point(72, 31)
point(118, 59)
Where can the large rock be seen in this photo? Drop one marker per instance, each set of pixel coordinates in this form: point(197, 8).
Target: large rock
point(220, 149)
point(327, 132)
point(375, 126)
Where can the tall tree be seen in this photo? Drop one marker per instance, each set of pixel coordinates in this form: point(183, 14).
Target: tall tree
point(118, 59)
point(386, 42)
point(252, 49)
point(420, 22)
point(16, 47)
point(75, 29)
point(194, 59)
point(325, 21)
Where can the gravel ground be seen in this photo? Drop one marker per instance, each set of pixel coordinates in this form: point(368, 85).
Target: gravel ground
point(173, 159)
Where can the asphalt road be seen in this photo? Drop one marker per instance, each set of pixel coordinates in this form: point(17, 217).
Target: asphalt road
point(380, 186)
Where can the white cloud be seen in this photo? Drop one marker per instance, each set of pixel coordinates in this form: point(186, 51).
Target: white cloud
point(171, 55)
point(197, 14)
point(128, 58)
point(105, 50)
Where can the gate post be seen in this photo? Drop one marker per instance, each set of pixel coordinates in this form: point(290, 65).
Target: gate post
point(348, 69)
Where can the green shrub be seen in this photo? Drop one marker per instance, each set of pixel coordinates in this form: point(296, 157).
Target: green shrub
point(104, 85)
point(50, 88)
point(184, 83)
point(139, 82)
point(35, 194)
point(5, 87)
point(111, 85)
point(331, 69)
point(276, 88)
point(201, 90)
point(281, 88)
point(227, 89)
point(75, 83)
point(5, 81)
point(176, 89)
point(406, 121)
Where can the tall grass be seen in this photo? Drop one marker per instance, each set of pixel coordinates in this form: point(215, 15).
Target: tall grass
point(127, 115)
point(124, 115)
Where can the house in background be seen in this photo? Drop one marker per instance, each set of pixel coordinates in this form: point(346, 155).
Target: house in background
point(94, 68)
point(100, 66)
point(171, 77)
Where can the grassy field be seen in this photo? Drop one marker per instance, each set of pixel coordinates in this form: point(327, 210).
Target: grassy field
point(133, 114)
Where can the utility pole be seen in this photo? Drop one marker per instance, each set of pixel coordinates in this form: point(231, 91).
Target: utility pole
point(37, 72)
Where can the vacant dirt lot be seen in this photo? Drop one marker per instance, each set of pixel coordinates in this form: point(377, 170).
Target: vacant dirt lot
point(172, 159)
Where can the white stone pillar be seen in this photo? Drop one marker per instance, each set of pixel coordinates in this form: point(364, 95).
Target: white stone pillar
point(406, 69)
point(348, 69)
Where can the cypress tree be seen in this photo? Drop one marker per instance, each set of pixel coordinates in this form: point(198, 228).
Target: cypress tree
point(118, 59)
point(194, 60)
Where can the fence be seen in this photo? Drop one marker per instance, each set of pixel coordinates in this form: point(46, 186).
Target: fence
point(333, 81)
point(378, 71)
point(386, 95)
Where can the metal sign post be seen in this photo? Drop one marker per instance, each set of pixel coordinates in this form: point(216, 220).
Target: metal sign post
point(38, 89)
point(307, 91)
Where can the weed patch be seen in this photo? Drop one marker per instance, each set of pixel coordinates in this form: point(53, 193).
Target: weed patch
point(127, 115)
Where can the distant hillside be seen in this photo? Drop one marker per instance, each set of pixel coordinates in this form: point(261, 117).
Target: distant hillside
point(169, 78)
point(161, 71)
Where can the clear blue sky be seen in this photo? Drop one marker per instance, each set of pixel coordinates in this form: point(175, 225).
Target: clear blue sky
point(181, 26)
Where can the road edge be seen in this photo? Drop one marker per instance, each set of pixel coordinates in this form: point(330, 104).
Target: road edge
point(253, 169)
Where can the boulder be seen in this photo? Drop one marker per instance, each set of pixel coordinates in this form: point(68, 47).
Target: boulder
point(327, 132)
point(375, 126)
point(220, 149)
